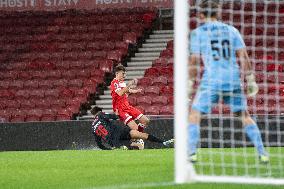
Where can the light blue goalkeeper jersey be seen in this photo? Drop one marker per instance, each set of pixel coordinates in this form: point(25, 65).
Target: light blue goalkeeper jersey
point(217, 43)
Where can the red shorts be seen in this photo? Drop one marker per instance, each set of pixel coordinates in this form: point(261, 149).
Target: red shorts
point(128, 114)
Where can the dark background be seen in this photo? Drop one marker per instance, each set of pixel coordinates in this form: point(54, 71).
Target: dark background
point(77, 134)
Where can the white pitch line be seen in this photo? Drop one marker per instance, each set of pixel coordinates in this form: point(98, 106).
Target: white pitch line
point(126, 186)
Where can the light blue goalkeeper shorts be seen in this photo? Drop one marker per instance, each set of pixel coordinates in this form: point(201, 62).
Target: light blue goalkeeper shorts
point(205, 99)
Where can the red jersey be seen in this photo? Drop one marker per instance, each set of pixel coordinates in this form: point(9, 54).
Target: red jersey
point(118, 102)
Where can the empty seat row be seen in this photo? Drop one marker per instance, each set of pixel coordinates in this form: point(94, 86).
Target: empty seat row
point(38, 114)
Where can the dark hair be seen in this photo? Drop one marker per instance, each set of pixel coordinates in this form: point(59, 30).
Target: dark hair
point(119, 68)
point(209, 8)
point(95, 110)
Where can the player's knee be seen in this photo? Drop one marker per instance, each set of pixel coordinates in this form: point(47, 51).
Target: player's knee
point(145, 120)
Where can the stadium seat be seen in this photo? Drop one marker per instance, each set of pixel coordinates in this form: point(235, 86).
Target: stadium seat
point(167, 90)
point(106, 66)
point(161, 80)
point(166, 71)
point(34, 115)
point(152, 90)
point(57, 103)
point(48, 115)
point(75, 83)
point(27, 104)
point(152, 72)
point(167, 110)
point(18, 116)
point(4, 84)
point(152, 110)
point(43, 103)
point(31, 84)
point(53, 93)
point(160, 100)
point(145, 81)
point(63, 114)
point(144, 100)
point(39, 93)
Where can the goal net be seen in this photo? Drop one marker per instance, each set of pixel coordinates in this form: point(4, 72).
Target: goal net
point(225, 151)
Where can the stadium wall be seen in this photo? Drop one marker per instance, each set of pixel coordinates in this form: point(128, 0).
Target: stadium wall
point(52, 5)
point(67, 135)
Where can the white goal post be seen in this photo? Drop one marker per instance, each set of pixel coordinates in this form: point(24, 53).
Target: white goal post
point(185, 171)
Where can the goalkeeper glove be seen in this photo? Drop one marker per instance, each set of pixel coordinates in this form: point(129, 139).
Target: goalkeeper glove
point(252, 88)
point(190, 87)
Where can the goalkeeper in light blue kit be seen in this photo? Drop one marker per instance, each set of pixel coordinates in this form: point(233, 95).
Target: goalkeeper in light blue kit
point(219, 45)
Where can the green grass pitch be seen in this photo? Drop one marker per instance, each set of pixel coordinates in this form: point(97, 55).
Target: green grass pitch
point(94, 169)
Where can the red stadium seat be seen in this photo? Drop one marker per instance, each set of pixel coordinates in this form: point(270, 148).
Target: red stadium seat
point(63, 114)
point(57, 103)
point(85, 55)
point(18, 116)
point(59, 83)
point(75, 83)
point(160, 100)
point(166, 71)
point(31, 84)
point(43, 103)
point(6, 94)
point(69, 74)
point(6, 115)
point(152, 72)
point(130, 37)
point(4, 84)
point(39, 93)
point(54, 93)
point(115, 56)
point(167, 53)
point(34, 115)
point(167, 110)
point(145, 81)
point(106, 66)
point(152, 110)
point(160, 62)
point(13, 104)
point(48, 115)
point(161, 80)
point(167, 90)
point(152, 90)
point(17, 84)
point(144, 100)
point(27, 104)
point(54, 74)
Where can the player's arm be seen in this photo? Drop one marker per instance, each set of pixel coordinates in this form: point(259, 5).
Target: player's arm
point(133, 91)
point(193, 60)
point(242, 55)
point(126, 89)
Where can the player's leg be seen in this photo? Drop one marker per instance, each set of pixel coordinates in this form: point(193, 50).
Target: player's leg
point(143, 120)
point(145, 136)
point(127, 119)
point(202, 104)
point(238, 105)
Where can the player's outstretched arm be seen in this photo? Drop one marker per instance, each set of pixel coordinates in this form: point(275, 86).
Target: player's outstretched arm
point(252, 88)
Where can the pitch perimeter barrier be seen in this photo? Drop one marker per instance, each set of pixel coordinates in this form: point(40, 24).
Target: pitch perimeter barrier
point(67, 135)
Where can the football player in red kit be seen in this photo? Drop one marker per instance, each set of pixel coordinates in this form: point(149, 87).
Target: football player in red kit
point(119, 92)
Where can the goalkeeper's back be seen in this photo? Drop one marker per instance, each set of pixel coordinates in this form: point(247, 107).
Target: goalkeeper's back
point(218, 43)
